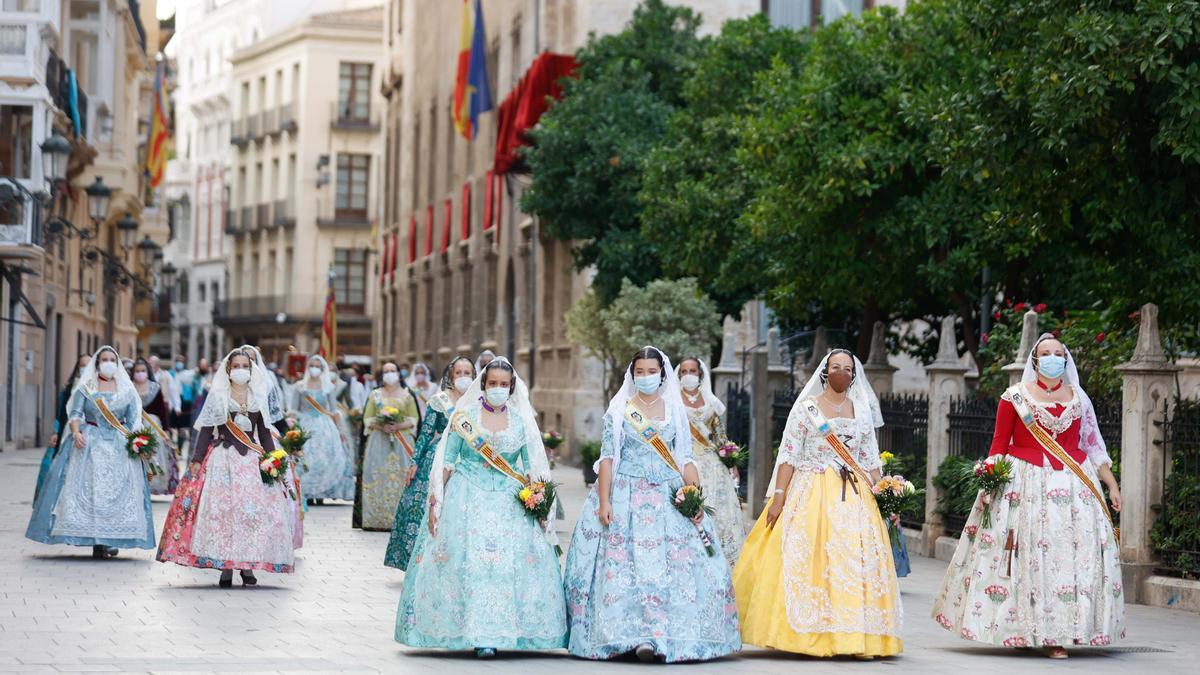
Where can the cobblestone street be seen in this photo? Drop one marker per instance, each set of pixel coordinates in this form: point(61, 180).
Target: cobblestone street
point(62, 611)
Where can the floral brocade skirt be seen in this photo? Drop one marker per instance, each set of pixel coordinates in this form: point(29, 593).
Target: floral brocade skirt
point(327, 471)
point(821, 582)
point(384, 477)
point(721, 494)
point(227, 518)
point(1062, 583)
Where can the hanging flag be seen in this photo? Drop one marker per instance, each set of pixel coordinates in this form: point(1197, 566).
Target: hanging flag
point(329, 323)
point(472, 95)
point(160, 134)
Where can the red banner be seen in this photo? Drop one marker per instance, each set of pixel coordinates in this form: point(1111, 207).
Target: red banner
point(447, 207)
point(466, 211)
point(489, 184)
point(429, 230)
point(412, 239)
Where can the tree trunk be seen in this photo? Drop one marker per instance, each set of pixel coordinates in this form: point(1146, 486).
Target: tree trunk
point(869, 316)
point(965, 312)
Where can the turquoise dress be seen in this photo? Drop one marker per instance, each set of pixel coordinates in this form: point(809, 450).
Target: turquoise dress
point(646, 578)
point(410, 513)
point(96, 495)
point(489, 578)
point(325, 472)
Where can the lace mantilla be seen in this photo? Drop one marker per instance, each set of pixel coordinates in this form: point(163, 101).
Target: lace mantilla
point(1055, 424)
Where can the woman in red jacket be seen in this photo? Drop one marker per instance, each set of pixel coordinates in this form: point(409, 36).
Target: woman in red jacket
point(1045, 571)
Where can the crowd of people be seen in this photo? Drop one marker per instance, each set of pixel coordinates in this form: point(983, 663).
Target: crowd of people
point(455, 469)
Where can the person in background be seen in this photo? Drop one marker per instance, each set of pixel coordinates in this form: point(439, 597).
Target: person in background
point(60, 421)
point(357, 393)
point(422, 386)
point(485, 357)
point(188, 387)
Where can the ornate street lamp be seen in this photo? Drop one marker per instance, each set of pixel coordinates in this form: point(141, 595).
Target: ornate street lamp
point(127, 227)
point(146, 249)
point(55, 151)
point(158, 261)
point(168, 274)
point(98, 195)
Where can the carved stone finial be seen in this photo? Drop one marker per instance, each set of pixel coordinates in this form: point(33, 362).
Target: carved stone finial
point(1029, 335)
point(1149, 347)
point(774, 351)
point(947, 343)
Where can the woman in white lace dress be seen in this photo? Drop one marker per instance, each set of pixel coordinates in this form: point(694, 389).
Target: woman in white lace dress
point(816, 575)
point(704, 411)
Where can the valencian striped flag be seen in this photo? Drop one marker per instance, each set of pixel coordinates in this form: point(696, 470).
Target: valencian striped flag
point(329, 323)
point(160, 129)
point(472, 96)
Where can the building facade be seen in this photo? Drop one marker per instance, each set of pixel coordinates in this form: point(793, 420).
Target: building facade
point(306, 147)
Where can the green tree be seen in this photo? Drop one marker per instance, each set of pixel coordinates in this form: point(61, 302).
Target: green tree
point(673, 315)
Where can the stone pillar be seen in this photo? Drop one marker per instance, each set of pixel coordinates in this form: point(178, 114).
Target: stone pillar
point(762, 462)
point(879, 371)
point(729, 369)
point(946, 381)
point(1029, 335)
point(778, 375)
point(1147, 382)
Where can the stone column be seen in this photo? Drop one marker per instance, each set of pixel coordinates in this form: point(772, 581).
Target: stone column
point(879, 371)
point(729, 369)
point(779, 376)
point(762, 462)
point(1029, 335)
point(1147, 382)
point(946, 381)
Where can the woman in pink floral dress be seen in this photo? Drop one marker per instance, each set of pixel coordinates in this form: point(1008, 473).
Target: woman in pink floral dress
point(1045, 571)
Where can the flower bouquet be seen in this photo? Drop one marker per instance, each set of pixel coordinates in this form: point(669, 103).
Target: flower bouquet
point(552, 439)
point(689, 501)
point(537, 498)
point(895, 496)
point(143, 445)
point(990, 478)
point(273, 469)
point(293, 442)
point(731, 455)
point(388, 414)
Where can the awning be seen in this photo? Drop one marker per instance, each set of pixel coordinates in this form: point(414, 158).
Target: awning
point(524, 105)
point(13, 276)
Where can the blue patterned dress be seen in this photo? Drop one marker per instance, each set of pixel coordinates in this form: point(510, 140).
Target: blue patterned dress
point(489, 578)
point(410, 513)
point(646, 579)
point(96, 495)
point(328, 474)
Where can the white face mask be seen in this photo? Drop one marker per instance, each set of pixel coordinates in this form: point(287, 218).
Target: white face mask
point(108, 368)
point(689, 382)
point(315, 371)
point(462, 383)
point(140, 376)
point(240, 375)
point(390, 379)
point(496, 396)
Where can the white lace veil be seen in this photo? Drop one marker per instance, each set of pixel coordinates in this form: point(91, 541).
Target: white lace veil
point(860, 394)
point(87, 383)
point(218, 405)
point(1090, 440)
point(469, 404)
point(486, 352)
point(674, 410)
point(706, 390)
point(411, 380)
point(327, 382)
point(275, 395)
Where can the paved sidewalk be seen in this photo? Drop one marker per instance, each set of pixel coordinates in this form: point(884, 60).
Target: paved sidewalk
point(62, 611)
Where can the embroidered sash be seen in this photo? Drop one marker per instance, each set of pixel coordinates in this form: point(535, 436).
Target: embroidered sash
point(318, 407)
point(242, 437)
point(1051, 445)
point(650, 436)
point(698, 435)
point(398, 435)
point(466, 428)
point(818, 421)
point(149, 420)
point(108, 414)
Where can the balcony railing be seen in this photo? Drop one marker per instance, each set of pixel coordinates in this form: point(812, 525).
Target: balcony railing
point(251, 122)
point(262, 216)
point(285, 215)
point(348, 120)
point(261, 307)
point(231, 222)
point(237, 135)
point(247, 219)
point(287, 118)
point(270, 122)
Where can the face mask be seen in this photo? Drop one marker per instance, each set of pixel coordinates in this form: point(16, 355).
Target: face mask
point(403, 372)
point(240, 375)
point(179, 365)
point(462, 383)
point(496, 396)
point(108, 368)
point(1052, 366)
point(647, 384)
point(314, 371)
point(420, 377)
point(140, 376)
point(840, 381)
point(689, 382)
point(391, 378)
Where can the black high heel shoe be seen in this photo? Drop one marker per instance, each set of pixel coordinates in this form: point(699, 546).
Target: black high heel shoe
point(226, 580)
point(248, 578)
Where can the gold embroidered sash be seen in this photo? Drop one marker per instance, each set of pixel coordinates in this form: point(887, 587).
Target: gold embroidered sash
point(242, 437)
point(466, 429)
point(108, 415)
point(149, 420)
point(698, 435)
point(318, 407)
point(818, 421)
point(1051, 445)
point(649, 435)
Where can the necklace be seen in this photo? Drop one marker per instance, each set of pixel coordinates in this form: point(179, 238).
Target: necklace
point(1046, 387)
point(837, 407)
point(503, 408)
point(691, 398)
point(646, 403)
point(241, 419)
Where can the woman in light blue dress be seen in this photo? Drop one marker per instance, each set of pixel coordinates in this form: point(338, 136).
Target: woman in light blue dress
point(638, 578)
point(484, 573)
point(325, 471)
point(96, 494)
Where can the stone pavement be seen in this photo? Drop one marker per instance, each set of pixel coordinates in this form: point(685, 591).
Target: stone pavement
point(62, 611)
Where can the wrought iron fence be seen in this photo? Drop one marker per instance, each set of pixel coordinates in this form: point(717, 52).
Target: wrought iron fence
point(905, 434)
point(781, 407)
point(972, 419)
point(737, 423)
point(1176, 532)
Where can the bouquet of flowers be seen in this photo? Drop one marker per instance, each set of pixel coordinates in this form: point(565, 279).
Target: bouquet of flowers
point(273, 469)
point(293, 442)
point(731, 455)
point(689, 501)
point(895, 496)
point(537, 498)
point(291, 421)
point(889, 461)
point(990, 479)
point(388, 414)
point(552, 439)
point(142, 445)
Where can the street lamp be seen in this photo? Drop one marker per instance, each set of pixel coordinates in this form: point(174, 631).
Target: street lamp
point(55, 151)
point(146, 249)
point(168, 273)
point(127, 227)
point(98, 195)
point(158, 260)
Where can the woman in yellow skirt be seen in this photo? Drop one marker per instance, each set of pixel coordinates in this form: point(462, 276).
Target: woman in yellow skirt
point(816, 574)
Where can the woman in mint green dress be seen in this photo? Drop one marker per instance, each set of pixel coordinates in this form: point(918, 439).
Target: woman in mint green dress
point(483, 573)
point(410, 514)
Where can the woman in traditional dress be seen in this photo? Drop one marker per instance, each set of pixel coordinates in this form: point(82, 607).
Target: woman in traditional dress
point(60, 434)
point(816, 574)
point(155, 408)
point(484, 573)
point(704, 411)
point(389, 450)
point(96, 494)
point(1045, 571)
point(410, 514)
point(225, 516)
point(638, 578)
point(325, 471)
point(422, 386)
point(350, 435)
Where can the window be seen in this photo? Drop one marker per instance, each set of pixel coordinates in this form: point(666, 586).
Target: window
point(202, 292)
point(350, 278)
point(352, 174)
point(354, 92)
point(794, 14)
point(16, 138)
point(832, 10)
